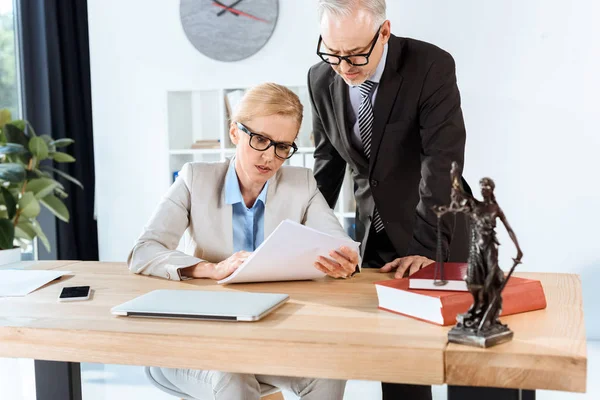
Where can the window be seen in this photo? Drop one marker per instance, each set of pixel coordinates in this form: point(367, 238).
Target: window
point(10, 93)
point(9, 82)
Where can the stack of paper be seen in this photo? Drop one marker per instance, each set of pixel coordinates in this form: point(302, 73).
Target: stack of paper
point(288, 254)
point(22, 282)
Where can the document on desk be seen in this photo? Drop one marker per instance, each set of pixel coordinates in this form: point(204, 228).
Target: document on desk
point(288, 254)
point(16, 283)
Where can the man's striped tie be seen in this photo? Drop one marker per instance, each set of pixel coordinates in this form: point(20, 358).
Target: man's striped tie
point(365, 126)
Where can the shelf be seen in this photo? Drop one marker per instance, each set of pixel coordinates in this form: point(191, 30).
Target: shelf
point(200, 151)
point(301, 150)
point(203, 115)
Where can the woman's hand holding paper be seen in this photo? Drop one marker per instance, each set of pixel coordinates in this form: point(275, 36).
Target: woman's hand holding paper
point(219, 270)
point(342, 263)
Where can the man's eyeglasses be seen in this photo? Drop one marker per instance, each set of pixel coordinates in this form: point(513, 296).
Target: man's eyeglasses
point(354, 59)
point(262, 143)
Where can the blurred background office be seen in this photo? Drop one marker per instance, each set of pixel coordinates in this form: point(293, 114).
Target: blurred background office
point(142, 94)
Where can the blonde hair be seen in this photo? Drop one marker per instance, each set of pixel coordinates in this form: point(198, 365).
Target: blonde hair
point(268, 99)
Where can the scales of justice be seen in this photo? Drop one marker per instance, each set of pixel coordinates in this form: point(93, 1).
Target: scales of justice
point(480, 325)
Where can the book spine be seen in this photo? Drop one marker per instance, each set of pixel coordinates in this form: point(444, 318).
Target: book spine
point(450, 312)
point(522, 298)
point(528, 296)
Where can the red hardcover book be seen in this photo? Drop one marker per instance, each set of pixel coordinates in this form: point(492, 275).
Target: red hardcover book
point(442, 307)
point(454, 273)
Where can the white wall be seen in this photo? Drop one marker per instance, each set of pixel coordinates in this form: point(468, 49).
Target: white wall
point(527, 72)
point(139, 52)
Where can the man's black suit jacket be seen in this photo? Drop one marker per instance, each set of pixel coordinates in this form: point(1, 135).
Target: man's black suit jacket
point(418, 130)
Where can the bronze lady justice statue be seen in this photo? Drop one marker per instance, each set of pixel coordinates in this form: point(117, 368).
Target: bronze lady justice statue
point(480, 325)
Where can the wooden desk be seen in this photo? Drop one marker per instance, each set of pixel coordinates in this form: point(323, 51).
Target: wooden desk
point(548, 350)
point(329, 328)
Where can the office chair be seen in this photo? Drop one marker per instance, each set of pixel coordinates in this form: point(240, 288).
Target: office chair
point(157, 378)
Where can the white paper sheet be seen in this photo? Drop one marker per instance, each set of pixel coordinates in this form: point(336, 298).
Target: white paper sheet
point(14, 283)
point(288, 254)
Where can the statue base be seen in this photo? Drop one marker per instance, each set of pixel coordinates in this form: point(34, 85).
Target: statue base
point(492, 336)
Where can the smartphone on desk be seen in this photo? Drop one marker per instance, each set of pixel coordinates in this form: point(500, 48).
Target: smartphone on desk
point(74, 293)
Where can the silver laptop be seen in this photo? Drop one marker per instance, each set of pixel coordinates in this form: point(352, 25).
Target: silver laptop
point(202, 305)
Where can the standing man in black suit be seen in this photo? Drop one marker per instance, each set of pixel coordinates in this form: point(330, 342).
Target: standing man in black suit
point(389, 108)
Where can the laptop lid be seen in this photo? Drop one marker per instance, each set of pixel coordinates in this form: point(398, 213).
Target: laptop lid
point(202, 304)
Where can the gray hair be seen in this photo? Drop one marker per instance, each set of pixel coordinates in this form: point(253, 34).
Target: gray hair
point(345, 8)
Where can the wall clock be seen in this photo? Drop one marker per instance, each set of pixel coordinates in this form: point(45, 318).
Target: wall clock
point(228, 30)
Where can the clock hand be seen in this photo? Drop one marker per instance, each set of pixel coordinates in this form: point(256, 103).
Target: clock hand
point(238, 12)
point(227, 8)
point(230, 8)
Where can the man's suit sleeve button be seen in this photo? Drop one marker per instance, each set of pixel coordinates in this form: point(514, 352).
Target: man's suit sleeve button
point(374, 182)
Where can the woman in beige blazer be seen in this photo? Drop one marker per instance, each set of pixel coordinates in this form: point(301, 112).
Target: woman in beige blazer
point(228, 208)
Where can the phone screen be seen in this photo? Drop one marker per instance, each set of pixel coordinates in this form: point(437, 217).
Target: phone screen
point(74, 291)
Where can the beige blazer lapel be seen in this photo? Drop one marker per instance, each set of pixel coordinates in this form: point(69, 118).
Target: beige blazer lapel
point(212, 223)
point(226, 221)
point(272, 213)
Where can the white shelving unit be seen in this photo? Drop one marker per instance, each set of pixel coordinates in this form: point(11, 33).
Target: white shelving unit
point(227, 151)
point(204, 115)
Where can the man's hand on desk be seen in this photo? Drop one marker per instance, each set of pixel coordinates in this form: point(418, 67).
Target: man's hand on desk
point(342, 263)
point(217, 271)
point(406, 266)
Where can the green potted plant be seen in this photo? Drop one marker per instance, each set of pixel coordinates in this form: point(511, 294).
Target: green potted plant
point(26, 184)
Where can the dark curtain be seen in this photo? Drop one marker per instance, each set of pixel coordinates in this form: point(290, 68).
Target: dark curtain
point(57, 101)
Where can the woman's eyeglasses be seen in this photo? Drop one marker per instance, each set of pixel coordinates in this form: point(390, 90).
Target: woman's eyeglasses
point(262, 143)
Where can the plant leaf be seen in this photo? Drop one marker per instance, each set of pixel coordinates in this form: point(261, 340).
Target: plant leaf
point(30, 130)
point(62, 142)
point(42, 187)
point(29, 206)
point(12, 148)
point(14, 190)
point(56, 206)
point(19, 123)
point(42, 174)
point(29, 175)
point(24, 230)
point(62, 174)
point(12, 172)
point(7, 234)
point(60, 193)
point(38, 147)
point(5, 116)
point(40, 234)
point(21, 243)
point(15, 135)
point(62, 157)
point(9, 201)
point(49, 142)
point(22, 158)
